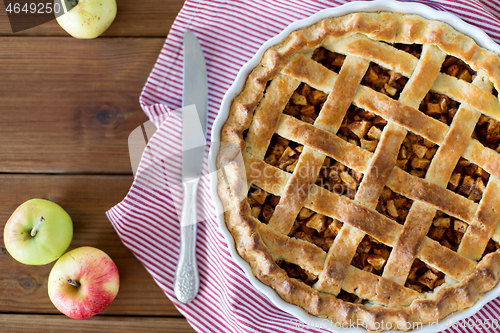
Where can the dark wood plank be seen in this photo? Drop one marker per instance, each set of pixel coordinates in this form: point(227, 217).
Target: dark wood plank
point(68, 106)
point(85, 198)
point(98, 324)
point(134, 18)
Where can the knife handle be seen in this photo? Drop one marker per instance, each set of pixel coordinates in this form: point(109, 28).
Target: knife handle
point(187, 280)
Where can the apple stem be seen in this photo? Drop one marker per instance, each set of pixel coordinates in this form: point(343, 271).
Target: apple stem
point(73, 283)
point(37, 225)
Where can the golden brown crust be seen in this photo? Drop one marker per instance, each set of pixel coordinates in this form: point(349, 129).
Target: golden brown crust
point(286, 65)
point(324, 142)
point(435, 195)
point(267, 114)
point(296, 191)
point(482, 227)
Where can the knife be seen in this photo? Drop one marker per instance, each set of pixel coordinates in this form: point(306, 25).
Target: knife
point(194, 122)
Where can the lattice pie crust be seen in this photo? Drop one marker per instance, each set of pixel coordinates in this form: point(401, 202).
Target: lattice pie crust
point(369, 185)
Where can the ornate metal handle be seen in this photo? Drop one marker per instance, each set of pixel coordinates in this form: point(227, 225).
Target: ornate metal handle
point(187, 281)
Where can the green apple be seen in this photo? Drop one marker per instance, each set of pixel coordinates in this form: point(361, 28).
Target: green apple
point(38, 232)
point(83, 282)
point(86, 19)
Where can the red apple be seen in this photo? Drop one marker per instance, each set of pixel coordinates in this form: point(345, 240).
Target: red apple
point(83, 282)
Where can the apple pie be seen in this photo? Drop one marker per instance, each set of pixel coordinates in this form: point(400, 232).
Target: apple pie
point(368, 183)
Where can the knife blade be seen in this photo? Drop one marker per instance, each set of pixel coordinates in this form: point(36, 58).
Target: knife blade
point(194, 122)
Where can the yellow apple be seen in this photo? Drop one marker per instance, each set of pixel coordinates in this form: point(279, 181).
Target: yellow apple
point(38, 232)
point(85, 19)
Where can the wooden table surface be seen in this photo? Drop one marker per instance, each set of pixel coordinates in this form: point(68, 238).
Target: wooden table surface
point(67, 108)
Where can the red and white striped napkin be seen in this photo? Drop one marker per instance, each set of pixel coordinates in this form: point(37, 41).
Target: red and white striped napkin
point(230, 33)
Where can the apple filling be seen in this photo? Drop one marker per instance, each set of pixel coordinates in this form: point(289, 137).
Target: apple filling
point(371, 256)
point(415, 155)
point(262, 204)
point(315, 228)
point(469, 180)
point(423, 278)
point(393, 205)
point(447, 230)
point(338, 178)
point(457, 68)
point(331, 60)
point(283, 153)
point(385, 81)
point(297, 272)
point(439, 107)
point(364, 129)
point(487, 131)
point(305, 103)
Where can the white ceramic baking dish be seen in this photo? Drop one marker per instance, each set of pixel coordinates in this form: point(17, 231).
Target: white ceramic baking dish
point(368, 6)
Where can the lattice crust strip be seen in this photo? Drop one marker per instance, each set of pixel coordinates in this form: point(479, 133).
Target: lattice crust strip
point(310, 162)
point(267, 114)
point(367, 220)
point(377, 176)
point(405, 63)
point(312, 259)
point(484, 223)
point(360, 218)
point(320, 141)
point(344, 247)
point(421, 215)
point(359, 159)
point(400, 113)
point(342, 252)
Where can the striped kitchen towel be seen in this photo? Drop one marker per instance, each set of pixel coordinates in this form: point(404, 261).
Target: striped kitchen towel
point(230, 33)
